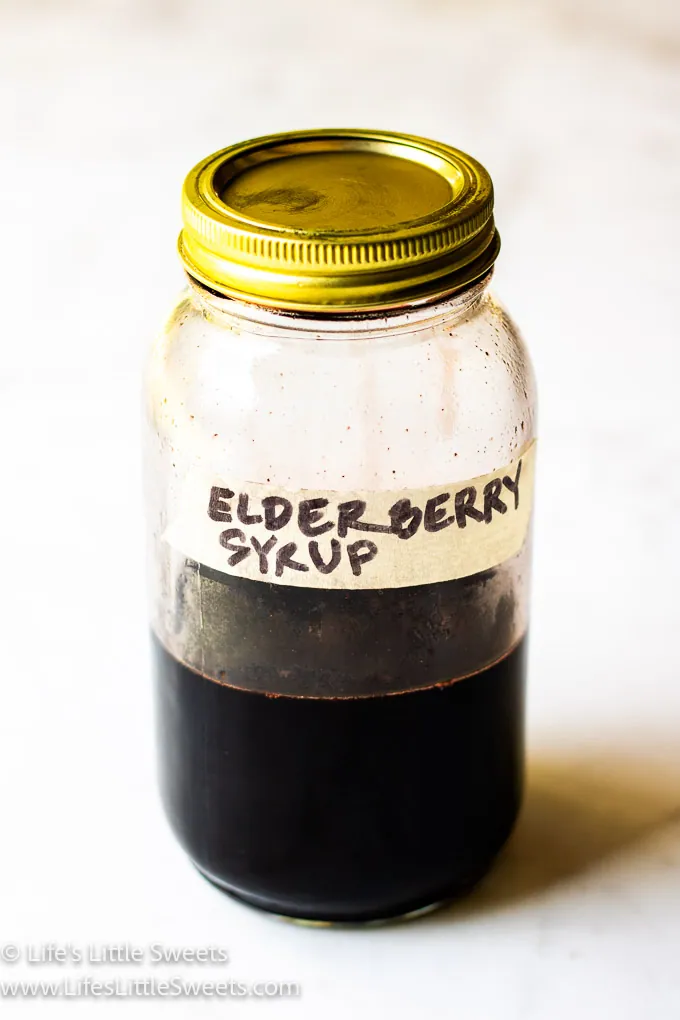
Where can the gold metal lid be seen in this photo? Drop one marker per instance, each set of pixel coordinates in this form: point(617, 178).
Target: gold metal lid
point(338, 220)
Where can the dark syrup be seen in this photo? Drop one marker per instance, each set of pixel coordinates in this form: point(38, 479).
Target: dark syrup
point(342, 809)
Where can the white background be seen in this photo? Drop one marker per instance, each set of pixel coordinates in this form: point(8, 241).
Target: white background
point(574, 107)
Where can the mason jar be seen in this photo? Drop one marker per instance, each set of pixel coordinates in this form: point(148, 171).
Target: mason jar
point(339, 471)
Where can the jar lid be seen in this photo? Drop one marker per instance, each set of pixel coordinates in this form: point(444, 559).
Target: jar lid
point(338, 220)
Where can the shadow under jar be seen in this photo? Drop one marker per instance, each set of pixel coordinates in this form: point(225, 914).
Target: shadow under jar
point(339, 472)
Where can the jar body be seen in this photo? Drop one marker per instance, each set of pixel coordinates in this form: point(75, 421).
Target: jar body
point(339, 741)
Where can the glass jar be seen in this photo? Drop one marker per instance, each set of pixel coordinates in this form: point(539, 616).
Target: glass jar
point(339, 466)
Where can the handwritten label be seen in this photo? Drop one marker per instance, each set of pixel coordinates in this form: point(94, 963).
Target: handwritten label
point(330, 539)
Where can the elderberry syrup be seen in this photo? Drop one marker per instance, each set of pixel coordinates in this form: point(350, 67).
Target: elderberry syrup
point(340, 450)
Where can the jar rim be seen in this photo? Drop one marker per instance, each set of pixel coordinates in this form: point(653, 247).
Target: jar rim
point(341, 324)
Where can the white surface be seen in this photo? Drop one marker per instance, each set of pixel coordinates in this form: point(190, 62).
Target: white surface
point(573, 106)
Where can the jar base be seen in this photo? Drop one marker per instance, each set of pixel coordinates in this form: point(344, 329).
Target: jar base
point(406, 912)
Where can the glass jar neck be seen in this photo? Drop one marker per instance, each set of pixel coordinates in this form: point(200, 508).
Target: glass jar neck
point(408, 318)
